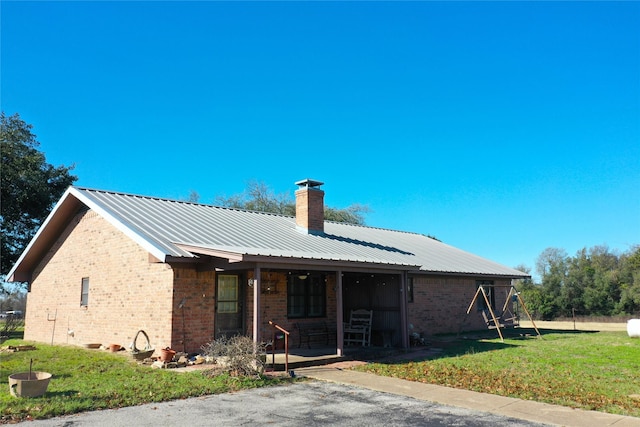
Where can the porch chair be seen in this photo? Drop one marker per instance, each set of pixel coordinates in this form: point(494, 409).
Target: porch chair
point(358, 330)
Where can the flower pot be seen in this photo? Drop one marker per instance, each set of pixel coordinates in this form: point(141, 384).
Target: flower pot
point(166, 354)
point(27, 384)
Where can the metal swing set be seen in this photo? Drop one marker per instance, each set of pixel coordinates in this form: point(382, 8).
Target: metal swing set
point(507, 318)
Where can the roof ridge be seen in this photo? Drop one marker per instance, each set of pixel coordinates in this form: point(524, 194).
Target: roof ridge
point(185, 202)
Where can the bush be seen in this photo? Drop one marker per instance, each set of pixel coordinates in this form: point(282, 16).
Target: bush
point(10, 324)
point(237, 355)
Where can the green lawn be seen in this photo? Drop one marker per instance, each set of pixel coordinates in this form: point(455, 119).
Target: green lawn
point(589, 370)
point(598, 371)
point(93, 379)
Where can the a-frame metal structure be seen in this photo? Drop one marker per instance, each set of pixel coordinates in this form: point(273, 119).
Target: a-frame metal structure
point(499, 322)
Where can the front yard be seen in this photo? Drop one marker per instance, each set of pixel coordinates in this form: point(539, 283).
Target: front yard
point(588, 370)
point(85, 380)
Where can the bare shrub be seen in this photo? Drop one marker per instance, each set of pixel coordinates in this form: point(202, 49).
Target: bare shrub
point(9, 324)
point(237, 355)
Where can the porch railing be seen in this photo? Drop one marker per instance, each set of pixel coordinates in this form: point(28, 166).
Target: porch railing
point(277, 328)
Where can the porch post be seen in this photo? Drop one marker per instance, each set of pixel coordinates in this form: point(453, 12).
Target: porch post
point(339, 315)
point(256, 304)
point(403, 310)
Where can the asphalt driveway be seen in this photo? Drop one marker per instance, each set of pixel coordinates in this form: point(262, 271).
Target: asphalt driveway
point(310, 403)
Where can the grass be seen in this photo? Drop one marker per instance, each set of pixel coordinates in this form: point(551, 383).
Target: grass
point(86, 380)
point(596, 371)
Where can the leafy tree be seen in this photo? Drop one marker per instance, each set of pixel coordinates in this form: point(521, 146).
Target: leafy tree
point(259, 197)
point(551, 265)
point(629, 302)
point(595, 282)
point(603, 292)
point(29, 187)
point(579, 276)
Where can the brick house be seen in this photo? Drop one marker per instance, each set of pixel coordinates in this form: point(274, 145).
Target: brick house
point(105, 265)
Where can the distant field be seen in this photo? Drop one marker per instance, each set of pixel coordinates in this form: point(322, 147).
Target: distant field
point(578, 325)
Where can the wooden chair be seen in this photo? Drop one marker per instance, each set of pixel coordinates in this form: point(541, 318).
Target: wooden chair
point(358, 330)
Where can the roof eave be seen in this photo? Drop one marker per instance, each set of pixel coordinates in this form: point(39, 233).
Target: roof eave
point(238, 257)
point(474, 274)
point(68, 205)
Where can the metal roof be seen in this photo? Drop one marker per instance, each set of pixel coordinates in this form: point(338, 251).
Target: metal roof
point(170, 228)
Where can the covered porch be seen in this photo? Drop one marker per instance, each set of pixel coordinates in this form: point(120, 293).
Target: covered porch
point(288, 299)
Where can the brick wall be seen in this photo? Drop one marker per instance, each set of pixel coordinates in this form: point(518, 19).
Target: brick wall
point(127, 292)
point(440, 304)
point(274, 307)
point(193, 324)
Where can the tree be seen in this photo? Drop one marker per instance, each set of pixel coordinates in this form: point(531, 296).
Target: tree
point(259, 197)
point(29, 187)
point(629, 282)
point(551, 265)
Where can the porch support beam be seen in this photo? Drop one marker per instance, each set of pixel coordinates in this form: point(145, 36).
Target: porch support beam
point(404, 327)
point(339, 315)
point(256, 304)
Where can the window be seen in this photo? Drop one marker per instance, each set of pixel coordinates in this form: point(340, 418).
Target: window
point(227, 294)
point(487, 285)
point(306, 296)
point(84, 297)
point(410, 289)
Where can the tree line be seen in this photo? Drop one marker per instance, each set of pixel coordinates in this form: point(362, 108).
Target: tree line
point(595, 281)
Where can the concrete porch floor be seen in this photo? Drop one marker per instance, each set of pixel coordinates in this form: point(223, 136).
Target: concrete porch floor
point(306, 357)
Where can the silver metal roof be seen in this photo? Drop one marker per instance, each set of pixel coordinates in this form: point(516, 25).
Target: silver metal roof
point(170, 224)
point(169, 228)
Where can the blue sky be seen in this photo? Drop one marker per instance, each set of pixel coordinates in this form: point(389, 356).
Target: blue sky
point(502, 128)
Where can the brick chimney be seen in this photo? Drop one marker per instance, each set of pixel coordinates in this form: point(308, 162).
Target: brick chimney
point(310, 207)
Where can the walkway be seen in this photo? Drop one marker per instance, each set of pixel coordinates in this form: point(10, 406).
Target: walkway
point(499, 405)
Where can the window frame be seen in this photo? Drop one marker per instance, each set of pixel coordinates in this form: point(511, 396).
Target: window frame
point(84, 292)
point(306, 298)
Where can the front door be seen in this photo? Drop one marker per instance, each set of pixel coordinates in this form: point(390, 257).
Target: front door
point(229, 314)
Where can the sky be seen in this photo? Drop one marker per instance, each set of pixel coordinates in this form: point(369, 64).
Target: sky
point(501, 128)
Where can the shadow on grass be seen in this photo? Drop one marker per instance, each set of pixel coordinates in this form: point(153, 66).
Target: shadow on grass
point(63, 393)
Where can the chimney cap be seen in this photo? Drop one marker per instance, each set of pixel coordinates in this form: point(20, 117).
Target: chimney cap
point(309, 183)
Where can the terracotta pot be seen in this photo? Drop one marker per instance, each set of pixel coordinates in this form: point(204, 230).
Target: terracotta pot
point(166, 354)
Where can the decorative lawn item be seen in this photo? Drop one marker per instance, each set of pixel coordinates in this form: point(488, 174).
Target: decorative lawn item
point(29, 384)
point(147, 351)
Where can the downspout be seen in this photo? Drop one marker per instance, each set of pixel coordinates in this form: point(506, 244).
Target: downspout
point(403, 310)
point(339, 315)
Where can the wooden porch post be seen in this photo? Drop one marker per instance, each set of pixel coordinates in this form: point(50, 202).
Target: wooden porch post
point(256, 304)
point(339, 315)
point(403, 310)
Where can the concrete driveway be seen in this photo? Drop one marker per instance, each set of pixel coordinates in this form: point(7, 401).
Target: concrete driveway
point(310, 403)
